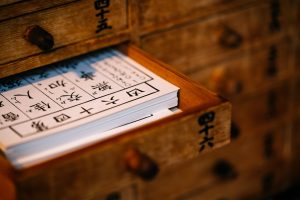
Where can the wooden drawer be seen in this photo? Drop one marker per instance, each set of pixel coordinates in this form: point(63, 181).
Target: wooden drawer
point(264, 107)
point(249, 72)
point(155, 13)
point(75, 28)
point(240, 165)
point(67, 24)
point(155, 146)
point(202, 42)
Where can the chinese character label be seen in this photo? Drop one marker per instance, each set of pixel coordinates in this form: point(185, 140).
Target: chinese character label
point(206, 121)
point(69, 97)
point(21, 95)
point(61, 117)
point(10, 116)
point(40, 106)
point(134, 92)
point(102, 86)
point(112, 100)
point(87, 75)
point(102, 7)
point(39, 126)
point(86, 110)
point(60, 83)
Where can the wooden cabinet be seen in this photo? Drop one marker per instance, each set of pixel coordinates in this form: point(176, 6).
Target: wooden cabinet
point(258, 67)
point(247, 54)
point(244, 50)
point(195, 45)
point(231, 169)
point(65, 29)
point(68, 24)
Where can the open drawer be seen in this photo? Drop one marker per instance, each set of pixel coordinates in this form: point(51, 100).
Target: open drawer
point(202, 125)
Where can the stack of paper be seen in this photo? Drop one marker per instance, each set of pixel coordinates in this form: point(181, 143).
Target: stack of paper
point(56, 109)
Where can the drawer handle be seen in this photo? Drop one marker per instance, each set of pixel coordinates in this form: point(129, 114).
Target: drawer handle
point(268, 181)
point(39, 37)
point(140, 164)
point(224, 170)
point(230, 38)
point(113, 196)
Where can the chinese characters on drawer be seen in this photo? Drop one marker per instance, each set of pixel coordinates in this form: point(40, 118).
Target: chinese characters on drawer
point(206, 121)
point(102, 8)
point(73, 92)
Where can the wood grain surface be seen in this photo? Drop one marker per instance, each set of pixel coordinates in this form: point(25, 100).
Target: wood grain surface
point(256, 68)
point(227, 46)
point(248, 161)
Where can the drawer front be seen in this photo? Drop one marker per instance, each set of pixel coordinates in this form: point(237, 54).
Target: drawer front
point(228, 168)
point(249, 72)
point(153, 13)
point(102, 166)
point(67, 24)
point(196, 44)
point(264, 107)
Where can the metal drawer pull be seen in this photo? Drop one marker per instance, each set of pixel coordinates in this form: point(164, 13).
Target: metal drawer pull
point(140, 164)
point(39, 37)
point(230, 38)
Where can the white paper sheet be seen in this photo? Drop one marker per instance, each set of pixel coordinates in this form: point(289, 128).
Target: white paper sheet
point(57, 98)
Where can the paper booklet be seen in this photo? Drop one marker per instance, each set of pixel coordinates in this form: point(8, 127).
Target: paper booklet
point(49, 108)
